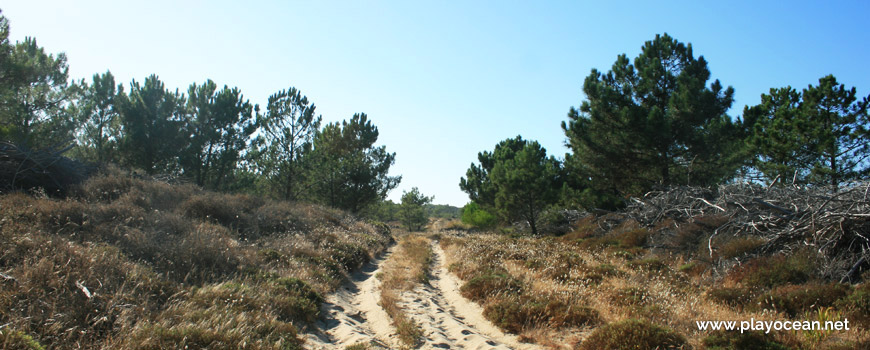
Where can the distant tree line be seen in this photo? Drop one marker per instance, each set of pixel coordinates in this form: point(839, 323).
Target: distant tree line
point(212, 136)
point(656, 122)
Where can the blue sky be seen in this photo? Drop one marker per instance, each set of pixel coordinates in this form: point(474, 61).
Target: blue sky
point(444, 80)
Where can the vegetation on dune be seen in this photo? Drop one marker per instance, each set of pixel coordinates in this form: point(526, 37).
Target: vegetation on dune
point(667, 211)
point(128, 263)
point(610, 275)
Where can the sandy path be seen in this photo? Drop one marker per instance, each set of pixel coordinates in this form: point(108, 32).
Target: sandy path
point(449, 321)
point(352, 314)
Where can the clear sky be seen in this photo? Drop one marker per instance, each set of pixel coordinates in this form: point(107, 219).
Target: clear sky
point(444, 80)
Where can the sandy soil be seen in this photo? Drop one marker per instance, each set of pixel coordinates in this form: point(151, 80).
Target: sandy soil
point(449, 321)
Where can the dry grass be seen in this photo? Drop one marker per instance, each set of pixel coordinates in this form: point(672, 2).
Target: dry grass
point(407, 267)
point(609, 269)
point(125, 263)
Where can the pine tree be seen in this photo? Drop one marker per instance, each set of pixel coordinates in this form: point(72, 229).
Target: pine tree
point(347, 171)
point(288, 130)
point(654, 122)
point(412, 211)
point(477, 182)
point(152, 118)
point(218, 125)
point(97, 118)
point(818, 135)
point(526, 184)
point(33, 93)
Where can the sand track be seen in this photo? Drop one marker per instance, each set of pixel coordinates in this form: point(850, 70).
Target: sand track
point(449, 321)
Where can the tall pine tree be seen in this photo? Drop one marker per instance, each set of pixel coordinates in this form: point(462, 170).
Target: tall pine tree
point(818, 135)
point(654, 122)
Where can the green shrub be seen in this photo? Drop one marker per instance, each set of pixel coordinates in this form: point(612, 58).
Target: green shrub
point(474, 215)
point(11, 339)
point(750, 340)
point(632, 335)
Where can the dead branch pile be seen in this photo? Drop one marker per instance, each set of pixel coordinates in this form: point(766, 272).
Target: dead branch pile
point(46, 169)
point(836, 223)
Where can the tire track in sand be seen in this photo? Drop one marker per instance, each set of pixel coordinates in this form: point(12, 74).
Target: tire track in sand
point(449, 321)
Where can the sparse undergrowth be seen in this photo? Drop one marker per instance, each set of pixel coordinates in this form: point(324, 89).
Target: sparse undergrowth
point(128, 263)
point(407, 267)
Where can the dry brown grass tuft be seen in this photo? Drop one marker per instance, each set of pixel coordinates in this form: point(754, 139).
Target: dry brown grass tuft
point(127, 263)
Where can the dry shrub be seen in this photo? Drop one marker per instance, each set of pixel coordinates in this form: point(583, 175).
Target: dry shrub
point(517, 313)
point(491, 284)
point(629, 296)
point(66, 293)
point(694, 268)
point(712, 221)
point(187, 325)
point(738, 297)
point(280, 217)
point(226, 210)
point(149, 270)
point(798, 299)
point(106, 187)
point(288, 299)
point(651, 264)
point(739, 246)
point(633, 334)
point(626, 240)
point(583, 228)
point(749, 340)
point(689, 236)
point(857, 305)
point(770, 271)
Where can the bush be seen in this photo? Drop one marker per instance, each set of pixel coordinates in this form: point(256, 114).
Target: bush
point(796, 299)
point(226, 210)
point(12, 339)
point(857, 305)
point(694, 268)
point(277, 217)
point(733, 297)
point(628, 237)
point(490, 284)
point(514, 314)
point(647, 265)
point(629, 296)
point(750, 340)
point(739, 246)
point(631, 335)
point(475, 216)
point(771, 271)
